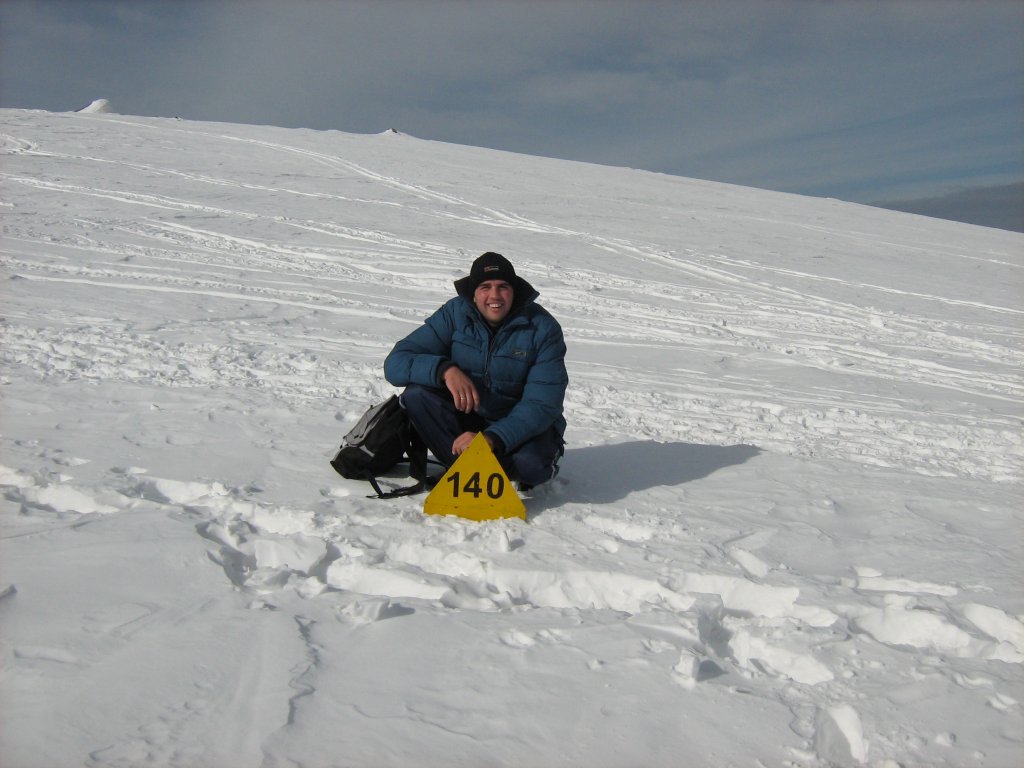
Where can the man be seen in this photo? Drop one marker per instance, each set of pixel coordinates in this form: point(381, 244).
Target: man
point(490, 360)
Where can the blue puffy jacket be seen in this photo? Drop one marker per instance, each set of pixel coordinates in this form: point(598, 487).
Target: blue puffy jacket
point(519, 371)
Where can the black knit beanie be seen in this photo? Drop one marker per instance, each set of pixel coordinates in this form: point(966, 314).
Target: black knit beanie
point(491, 266)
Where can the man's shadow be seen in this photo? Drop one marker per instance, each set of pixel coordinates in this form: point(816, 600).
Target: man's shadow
point(601, 474)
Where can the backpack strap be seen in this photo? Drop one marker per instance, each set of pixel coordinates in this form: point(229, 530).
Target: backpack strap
point(410, 490)
point(416, 450)
point(417, 458)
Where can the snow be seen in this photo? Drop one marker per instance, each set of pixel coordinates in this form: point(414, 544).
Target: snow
point(97, 106)
point(787, 531)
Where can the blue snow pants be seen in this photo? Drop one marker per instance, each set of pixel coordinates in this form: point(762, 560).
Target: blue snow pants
point(433, 415)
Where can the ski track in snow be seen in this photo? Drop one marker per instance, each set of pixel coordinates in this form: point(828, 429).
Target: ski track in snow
point(300, 310)
point(733, 310)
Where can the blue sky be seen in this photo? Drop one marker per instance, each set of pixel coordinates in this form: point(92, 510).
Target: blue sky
point(862, 101)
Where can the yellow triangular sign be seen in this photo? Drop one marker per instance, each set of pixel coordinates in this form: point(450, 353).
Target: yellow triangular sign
point(475, 487)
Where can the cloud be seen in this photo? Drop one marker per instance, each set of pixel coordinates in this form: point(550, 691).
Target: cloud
point(853, 100)
point(1000, 206)
point(60, 55)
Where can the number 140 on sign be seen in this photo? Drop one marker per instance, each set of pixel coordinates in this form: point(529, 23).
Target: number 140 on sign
point(475, 487)
point(494, 487)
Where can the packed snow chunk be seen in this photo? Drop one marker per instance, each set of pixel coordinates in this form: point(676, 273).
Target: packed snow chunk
point(875, 583)
point(687, 669)
point(284, 521)
point(997, 624)
point(758, 599)
point(899, 624)
point(1002, 702)
point(369, 580)
point(179, 491)
point(839, 736)
point(99, 106)
point(742, 595)
point(621, 528)
point(297, 552)
point(63, 498)
point(129, 470)
point(268, 580)
point(45, 653)
point(369, 610)
point(446, 561)
point(513, 638)
point(785, 663)
point(587, 589)
point(233, 536)
point(71, 461)
point(15, 478)
point(749, 562)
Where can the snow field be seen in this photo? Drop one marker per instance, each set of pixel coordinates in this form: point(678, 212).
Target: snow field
point(787, 528)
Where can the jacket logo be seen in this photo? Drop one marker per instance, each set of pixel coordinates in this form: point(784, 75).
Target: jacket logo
point(519, 353)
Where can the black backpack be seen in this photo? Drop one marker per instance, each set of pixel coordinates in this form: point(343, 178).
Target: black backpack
point(380, 440)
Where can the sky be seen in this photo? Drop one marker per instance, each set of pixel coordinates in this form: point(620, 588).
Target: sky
point(912, 104)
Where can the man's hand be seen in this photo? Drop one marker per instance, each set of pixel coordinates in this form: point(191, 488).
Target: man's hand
point(462, 442)
point(463, 392)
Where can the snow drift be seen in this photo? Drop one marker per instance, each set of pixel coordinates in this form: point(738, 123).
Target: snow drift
point(787, 530)
point(98, 106)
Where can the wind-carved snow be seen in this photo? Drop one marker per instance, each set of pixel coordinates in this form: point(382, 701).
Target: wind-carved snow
point(786, 529)
point(97, 106)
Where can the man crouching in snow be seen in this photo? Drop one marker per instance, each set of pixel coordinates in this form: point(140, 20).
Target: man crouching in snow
point(489, 360)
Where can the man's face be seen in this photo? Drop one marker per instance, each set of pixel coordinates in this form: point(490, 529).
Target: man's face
point(494, 300)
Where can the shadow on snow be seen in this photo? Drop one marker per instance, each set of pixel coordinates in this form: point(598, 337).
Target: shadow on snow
point(601, 474)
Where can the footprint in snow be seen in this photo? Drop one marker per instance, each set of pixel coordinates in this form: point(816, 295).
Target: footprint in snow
point(516, 639)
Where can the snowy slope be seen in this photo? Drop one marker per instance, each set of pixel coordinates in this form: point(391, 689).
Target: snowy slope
point(786, 531)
